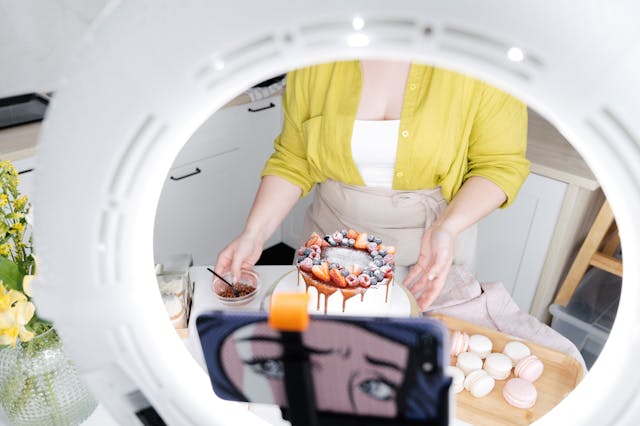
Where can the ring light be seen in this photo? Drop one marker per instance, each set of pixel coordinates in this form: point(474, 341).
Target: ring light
point(149, 74)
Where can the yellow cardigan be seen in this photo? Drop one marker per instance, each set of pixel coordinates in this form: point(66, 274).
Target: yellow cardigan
point(452, 127)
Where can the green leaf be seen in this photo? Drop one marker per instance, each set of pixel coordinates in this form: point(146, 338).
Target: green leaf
point(10, 274)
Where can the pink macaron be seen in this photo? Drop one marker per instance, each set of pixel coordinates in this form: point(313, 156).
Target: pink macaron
point(529, 368)
point(520, 393)
point(459, 343)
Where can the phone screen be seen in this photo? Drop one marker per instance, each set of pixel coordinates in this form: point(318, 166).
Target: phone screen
point(385, 367)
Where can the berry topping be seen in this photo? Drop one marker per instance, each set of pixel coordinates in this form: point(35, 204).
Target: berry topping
point(365, 280)
point(337, 236)
point(301, 258)
point(388, 258)
point(372, 246)
point(377, 240)
point(351, 242)
point(352, 281)
point(315, 248)
point(383, 252)
point(333, 265)
point(337, 278)
point(352, 234)
point(314, 239)
point(378, 261)
point(344, 232)
point(355, 269)
point(374, 281)
point(385, 268)
point(321, 272)
point(374, 253)
point(314, 255)
point(371, 238)
point(361, 242)
point(345, 243)
point(332, 242)
point(306, 251)
point(307, 264)
point(391, 249)
point(345, 272)
point(378, 275)
point(316, 261)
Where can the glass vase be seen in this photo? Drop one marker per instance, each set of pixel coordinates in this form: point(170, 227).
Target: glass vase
point(39, 385)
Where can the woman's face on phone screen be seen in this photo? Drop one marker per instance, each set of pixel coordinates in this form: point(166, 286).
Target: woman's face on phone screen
point(354, 370)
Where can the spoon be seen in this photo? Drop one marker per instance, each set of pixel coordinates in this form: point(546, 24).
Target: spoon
point(236, 293)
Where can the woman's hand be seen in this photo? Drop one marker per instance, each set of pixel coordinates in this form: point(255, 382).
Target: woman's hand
point(243, 252)
point(427, 277)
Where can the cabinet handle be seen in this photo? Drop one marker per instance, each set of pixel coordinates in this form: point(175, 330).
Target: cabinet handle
point(26, 171)
point(271, 105)
point(187, 175)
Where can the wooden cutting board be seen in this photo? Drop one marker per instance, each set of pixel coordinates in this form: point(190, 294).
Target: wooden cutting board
point(561, 375)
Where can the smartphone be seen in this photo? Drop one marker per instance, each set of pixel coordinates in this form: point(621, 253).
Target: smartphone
point(383, 368)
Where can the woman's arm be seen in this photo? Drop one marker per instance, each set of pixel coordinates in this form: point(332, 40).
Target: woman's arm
point(476, 198)
point(274, 200)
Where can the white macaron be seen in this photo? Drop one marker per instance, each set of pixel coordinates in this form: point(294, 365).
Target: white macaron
point(479, 383)
point(516, 351)
point(480, 344)
point(457, 375)
point(468, 361)
point(498, 365)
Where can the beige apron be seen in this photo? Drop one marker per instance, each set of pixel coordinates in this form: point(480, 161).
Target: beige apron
point(399, 218)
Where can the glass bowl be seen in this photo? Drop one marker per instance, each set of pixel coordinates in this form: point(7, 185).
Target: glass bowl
point(248, 279)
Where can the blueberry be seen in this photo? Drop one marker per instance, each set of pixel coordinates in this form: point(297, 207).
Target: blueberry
point(344, 243)
point(301, 258)
point(316, 261)
point(326, 238)
point(344, 232)
point(351, 242)
point(374, 281)
point(374, 253)
point(377, 240)
point(370, 238)
point(333, 265)
point(378, 275)
point(306, 252)
point(345, 273)
point(383, 253)
point(332, 242)
point(378, 262)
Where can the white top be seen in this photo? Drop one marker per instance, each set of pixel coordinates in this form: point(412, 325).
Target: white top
point(373, 148)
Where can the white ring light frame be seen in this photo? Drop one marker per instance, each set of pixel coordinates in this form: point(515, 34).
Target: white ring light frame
point(150, 74)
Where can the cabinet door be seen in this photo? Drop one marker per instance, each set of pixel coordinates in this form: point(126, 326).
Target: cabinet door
point(513, 242)
point(205, 201)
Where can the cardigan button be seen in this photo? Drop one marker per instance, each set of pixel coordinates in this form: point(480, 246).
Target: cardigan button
point(412, 86)
point(405, 134)
point(399, 174)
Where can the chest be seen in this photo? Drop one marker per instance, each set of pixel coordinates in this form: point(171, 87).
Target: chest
point(382, 93)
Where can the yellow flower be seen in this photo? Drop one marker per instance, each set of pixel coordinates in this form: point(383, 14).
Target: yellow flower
point(20, 202)
point(26, 284)
point(13, 322)
point(17, 228)
point(3, 200)
point(5, 250)
point(9, 298)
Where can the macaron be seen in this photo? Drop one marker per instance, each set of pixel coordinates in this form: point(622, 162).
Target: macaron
point(481, 345)
point(479, 383)
point(498, 366)
point(459, 343)
point(520, 393)
point(468, 361)
point(457, 384)
point(529, 368)
point(516, 351)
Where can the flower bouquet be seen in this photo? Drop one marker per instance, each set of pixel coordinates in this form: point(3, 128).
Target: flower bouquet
point(39, 384)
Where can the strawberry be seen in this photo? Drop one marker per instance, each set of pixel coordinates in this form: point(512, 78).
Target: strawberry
point(314, 239)
point(365, 280)
point(321, 272)
point(351, 233)
point(337, 278)
point(361, 241)
point(355, 269)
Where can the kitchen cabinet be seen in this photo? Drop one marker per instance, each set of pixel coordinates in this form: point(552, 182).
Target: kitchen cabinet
point(211, 185)
point(513, 242)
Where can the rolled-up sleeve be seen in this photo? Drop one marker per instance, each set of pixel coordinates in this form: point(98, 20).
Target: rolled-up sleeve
point(289, 159)
point(498, 142)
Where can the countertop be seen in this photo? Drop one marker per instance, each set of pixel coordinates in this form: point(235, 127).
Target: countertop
point(551, 155)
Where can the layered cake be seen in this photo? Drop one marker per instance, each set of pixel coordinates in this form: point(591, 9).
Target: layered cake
point(346, 264)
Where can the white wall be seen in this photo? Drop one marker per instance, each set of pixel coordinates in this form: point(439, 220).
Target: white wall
point(37, 38)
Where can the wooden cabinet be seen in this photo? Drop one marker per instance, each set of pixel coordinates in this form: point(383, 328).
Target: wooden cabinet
point(211, 185)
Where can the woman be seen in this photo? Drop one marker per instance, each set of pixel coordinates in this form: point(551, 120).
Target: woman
point(411, 153)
